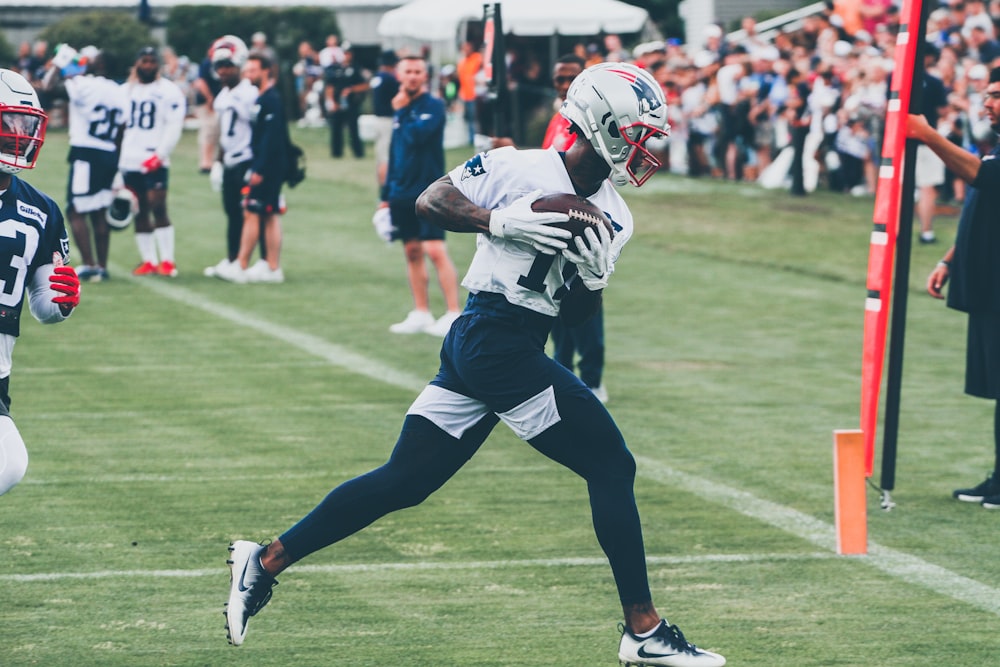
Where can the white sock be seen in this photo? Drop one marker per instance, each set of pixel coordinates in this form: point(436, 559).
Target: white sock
point(147, 247)
point(165, 242)
point(648, 634)
point(13, 455)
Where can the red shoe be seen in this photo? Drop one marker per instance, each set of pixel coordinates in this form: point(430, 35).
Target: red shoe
point(167, 269)
point(144, 269)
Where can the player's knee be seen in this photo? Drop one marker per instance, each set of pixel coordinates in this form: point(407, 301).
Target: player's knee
point(615, 463)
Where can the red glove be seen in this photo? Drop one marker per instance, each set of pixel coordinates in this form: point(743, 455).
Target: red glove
point(65, 281)
point(152, 163)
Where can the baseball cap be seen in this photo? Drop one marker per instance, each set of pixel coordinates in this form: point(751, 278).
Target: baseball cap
point(388, 58)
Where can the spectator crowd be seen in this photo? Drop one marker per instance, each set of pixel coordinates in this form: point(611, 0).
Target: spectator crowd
point(796, 108)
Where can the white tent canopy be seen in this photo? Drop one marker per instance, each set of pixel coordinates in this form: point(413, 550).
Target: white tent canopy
point(440, 20)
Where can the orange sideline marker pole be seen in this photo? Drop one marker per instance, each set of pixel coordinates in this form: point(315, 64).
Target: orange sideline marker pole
point(849, 492)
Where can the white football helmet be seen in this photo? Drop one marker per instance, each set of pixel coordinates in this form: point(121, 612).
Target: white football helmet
point(122, 210)
point(618, 107)
point(229, 48)
point(22, 123)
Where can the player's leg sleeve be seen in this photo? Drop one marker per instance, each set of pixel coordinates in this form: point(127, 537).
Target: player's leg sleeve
point(425, 457)
point(589, 338)
point(13, 455)
point(587, 441)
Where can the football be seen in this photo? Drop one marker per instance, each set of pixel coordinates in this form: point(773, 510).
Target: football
point(581, 211)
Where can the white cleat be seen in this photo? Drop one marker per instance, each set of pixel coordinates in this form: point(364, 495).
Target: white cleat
point(416, 322)
point(213, 271)
point(666, 647)
point(231, 272)
point(249, 588)
point(261, 272)
point(442, 325)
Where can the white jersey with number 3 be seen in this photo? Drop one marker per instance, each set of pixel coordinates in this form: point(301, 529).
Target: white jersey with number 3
point(525, 276)
point(97, 109)
point(154, 123)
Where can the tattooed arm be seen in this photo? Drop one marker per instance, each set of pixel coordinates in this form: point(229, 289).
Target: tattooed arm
point(445, 206)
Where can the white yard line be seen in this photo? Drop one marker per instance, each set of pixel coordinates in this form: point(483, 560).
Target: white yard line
point(903, 566)
point(432, 566)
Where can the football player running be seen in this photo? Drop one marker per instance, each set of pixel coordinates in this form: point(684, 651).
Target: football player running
point(526, 272)
point(155, 122)
point(34, 250)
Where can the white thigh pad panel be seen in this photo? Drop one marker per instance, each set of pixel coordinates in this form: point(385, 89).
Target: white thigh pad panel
point(451, 412)
point(533, 416)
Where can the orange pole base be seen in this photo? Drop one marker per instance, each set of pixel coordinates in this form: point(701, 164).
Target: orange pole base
point(849, 492)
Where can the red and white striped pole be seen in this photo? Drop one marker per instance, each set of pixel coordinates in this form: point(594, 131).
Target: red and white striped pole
point(882, 248)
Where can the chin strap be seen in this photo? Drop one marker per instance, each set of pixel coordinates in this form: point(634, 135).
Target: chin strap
point(618, 175)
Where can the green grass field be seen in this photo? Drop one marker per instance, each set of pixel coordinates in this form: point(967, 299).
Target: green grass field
point(169, 417)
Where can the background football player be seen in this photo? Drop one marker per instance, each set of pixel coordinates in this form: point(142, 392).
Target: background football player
point(97, 112)
point(155, 121)
point(524, 274)
point(234, 108)
point(34, 251)
point(263, 202)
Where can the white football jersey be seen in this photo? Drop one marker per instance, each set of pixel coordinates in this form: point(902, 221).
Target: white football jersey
point(525, 276)
point(233, 108)
point(154, 123)
point(97, 109)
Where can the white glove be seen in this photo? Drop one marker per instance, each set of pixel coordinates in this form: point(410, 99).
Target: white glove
point(518, 222)
point(593, 264)
point(65, 54)
point(215, 176)
point(382, 220)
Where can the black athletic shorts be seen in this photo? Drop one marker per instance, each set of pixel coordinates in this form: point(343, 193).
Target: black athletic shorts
point(982, 356)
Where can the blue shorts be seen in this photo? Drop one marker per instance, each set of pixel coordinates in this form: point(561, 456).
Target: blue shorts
point(493, 360)
point(140, 183)
point(409, 226)
point(265, 198)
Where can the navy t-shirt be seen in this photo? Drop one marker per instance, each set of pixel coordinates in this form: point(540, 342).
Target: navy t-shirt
point(384, 86)
point(975, 269)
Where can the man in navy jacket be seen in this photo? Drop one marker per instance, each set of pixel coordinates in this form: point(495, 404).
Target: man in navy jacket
point(416, 159)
